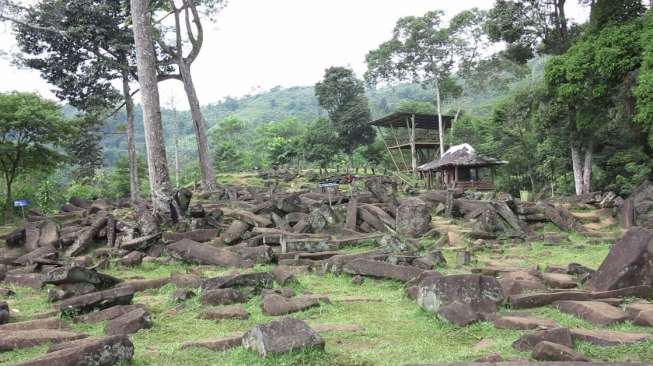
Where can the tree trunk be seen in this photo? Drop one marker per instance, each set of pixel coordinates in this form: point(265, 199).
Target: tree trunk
point(162, 201)
point(8, 206)
point(175, 137)
point(131, 146)
point(578, 170)
point(587, 169)
point(440, 124)
point(206, 169)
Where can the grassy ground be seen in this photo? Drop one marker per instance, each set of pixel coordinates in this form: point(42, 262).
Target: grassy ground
point(396, 332)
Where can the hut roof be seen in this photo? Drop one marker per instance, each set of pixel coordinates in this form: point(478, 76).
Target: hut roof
point(422, 121)
point(461, 155)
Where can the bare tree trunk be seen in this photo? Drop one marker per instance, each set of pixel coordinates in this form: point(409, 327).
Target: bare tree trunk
point(440, 124)
point(131, 146)
point(162, 200)
point(8, 206)
point(578, 170)
point(587, 169)
point(206, 169)
point(175, 137)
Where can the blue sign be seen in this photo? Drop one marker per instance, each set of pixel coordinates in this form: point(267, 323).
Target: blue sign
point(21, 203)
point(326, 185)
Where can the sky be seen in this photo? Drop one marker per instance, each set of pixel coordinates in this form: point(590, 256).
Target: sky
point(255, 45)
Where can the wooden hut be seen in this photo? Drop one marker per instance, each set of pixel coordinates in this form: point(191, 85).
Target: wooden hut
point(462, 167)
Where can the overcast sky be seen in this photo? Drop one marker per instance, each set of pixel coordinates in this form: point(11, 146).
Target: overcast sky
point(258, 44)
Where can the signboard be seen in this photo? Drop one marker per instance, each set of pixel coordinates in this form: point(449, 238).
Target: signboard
point(327, 185)
point(21, 203)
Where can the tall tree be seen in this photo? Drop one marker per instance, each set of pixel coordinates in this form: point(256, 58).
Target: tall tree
point(31, 130)
point(421, 50)
point(607, 12)
point(318, 143)
point(160, 187)
point(529, 27)
point(183, 59)
point(342, 94)
point(644, 89)
point(585, 80)
point(82, 47)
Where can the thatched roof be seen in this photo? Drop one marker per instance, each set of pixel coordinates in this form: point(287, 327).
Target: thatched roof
point(461, 155)
point(422, 121)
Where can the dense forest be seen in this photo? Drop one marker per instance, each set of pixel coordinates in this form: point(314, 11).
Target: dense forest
point(570, 106)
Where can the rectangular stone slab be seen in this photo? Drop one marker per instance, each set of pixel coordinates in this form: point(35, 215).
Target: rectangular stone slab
point(17, 339)
point(366, 267)
point(98, 300)
point(608, 338)
point(594, 312)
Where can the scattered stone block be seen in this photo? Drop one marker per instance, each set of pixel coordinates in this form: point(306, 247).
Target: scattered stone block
point(523, 322)
point(219, 344)
point(129, 323)
point(282, 336)
point(256, 281)
point(104, 351)
point(226, 296)
point(595, 312)
point(629, 263)
point(132, 259)
point(4, 312)
point(48, 323)
point(98, 300)
point(559, 280)
point(606, 338)
point(193, 251)
point(109, 313)
point(17, 339)
point(367, 267)
point(556, 335)
point(549, 351)
point(461, 314)
point(283, 276)
point(224, 312)
point(482, 293)
point(275, 305)
point(182, 295)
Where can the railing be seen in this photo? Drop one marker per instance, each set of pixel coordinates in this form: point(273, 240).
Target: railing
point(401, 140)
point(479, 185)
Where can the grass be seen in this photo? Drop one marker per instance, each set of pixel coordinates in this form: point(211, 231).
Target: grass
point(396, 331)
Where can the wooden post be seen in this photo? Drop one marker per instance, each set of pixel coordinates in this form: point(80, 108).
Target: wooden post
point(455, 176)
point(413, 149)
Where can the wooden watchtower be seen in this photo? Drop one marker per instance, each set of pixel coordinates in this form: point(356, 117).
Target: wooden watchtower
point(411, 139)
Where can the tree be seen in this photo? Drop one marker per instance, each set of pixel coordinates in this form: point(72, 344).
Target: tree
point(614, 12)
point(195, 37)
point(343, 97)
point(585, 80)
point(31, 130)
point(529, 27)
point(420, 50)
point(318, 143)
point(644, 89)
point(85, 150)
point(160, 187)
point(82, 47)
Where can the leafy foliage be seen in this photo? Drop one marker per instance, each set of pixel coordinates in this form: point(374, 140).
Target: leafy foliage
point(31, 128)
point(343, 96)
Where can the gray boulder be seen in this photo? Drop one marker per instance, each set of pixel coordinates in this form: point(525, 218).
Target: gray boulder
point(282, 336)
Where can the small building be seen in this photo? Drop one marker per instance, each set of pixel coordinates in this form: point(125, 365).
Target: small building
point(462, 167)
